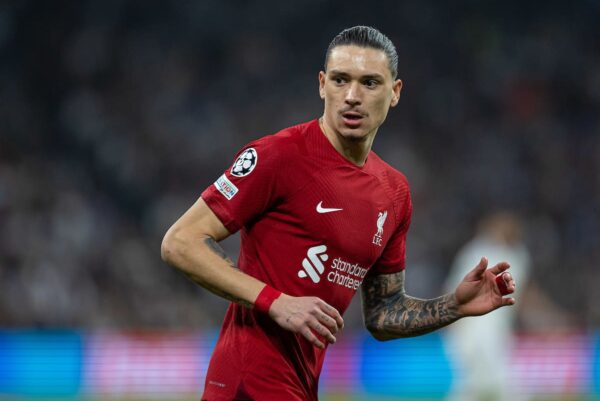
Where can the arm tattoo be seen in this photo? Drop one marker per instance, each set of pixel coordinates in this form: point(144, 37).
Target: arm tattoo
point(216, 249)
point(389, 313)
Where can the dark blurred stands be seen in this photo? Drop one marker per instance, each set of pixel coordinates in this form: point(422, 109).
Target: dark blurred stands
point(115, 115)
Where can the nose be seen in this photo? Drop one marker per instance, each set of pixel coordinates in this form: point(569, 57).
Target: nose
point(352, 94)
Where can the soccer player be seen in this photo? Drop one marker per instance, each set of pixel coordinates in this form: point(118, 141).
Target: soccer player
point(320, 215)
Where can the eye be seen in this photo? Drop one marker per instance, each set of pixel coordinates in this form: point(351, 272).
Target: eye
point(339, 80)
point(371, 83)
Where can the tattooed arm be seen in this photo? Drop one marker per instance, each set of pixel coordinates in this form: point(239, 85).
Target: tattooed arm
point(191, 246)
point(389, 313)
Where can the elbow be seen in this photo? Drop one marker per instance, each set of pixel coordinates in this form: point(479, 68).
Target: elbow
point(167, 249)
point(378, 333)
point(172, 248)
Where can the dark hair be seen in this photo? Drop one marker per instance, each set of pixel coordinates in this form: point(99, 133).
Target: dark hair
point(366, 36)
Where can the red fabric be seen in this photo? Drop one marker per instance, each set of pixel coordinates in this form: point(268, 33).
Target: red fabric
point(312, 224)
point(265, 299)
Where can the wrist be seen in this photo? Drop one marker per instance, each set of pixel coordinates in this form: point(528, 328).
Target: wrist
point(265, 298)
point(454, 306)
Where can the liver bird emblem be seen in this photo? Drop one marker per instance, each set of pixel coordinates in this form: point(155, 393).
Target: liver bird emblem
point(380, 222)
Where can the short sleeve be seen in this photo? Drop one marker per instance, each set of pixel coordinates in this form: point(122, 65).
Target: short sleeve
point(393, 258)
point(249, 187)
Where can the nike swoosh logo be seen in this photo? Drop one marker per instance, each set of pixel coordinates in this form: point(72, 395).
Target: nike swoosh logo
point(322, 209)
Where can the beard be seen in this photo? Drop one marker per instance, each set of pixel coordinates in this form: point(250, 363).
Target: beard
point(354, 135)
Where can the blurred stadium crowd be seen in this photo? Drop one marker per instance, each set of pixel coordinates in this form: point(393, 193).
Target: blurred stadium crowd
point(116, 114)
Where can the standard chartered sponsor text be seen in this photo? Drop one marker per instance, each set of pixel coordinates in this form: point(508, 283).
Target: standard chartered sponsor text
point(346, 274)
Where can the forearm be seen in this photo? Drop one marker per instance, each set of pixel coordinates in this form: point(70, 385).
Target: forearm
point(404, 316)
point(205, 263)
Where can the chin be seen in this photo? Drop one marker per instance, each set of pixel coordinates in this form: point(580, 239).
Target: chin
point(353, 134)
point(356, 138)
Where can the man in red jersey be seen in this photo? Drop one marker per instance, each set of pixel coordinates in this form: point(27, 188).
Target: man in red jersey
point(320, 215)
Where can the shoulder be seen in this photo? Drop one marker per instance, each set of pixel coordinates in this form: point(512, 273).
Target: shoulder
point(287, 143)
point(390, 177)
point(272, 156)
point(396, 186)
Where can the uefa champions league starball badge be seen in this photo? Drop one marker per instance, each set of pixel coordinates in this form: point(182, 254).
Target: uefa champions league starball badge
point(245, 163)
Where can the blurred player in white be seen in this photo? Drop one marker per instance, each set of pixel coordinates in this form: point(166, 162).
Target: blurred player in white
point(481, 347)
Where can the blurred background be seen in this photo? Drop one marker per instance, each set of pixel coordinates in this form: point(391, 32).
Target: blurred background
point(115, 115)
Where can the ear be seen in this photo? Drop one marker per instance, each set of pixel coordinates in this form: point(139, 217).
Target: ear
point(322, 76)
point(396, 89)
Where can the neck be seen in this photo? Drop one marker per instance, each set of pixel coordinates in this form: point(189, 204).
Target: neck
point(354, 150)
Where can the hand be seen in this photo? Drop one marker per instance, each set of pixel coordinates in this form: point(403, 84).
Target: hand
point(479, 294)
point(307, 314)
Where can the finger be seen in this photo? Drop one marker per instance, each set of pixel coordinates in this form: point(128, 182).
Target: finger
point(312, 338)
point(499, 268)
point(508, 301)
point(328, 321)
point(322, 330)
point(332, 312)
point(505, 283)
point(510, 281)
point(478, 270)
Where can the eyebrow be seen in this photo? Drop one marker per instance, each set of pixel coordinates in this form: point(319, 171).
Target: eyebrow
point(367, 76)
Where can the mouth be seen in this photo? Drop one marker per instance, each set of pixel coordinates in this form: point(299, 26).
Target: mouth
point(352, 119)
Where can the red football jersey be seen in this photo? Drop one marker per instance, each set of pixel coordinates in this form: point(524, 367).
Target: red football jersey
point(313, 224)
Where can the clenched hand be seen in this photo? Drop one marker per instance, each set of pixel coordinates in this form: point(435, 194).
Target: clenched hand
point(307, 316)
